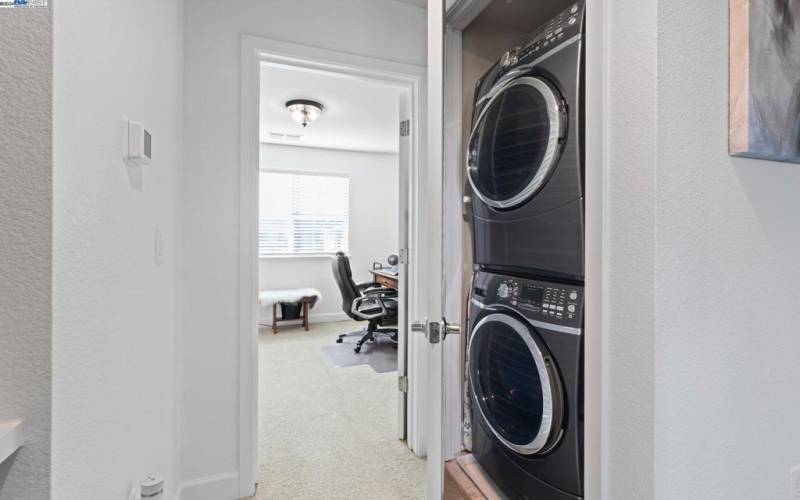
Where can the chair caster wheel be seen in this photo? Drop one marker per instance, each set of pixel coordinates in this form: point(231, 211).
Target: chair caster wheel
point(339, 341)
point(357, 350)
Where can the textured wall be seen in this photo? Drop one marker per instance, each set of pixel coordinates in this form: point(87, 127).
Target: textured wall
point(210, 196)
point(25, 244)
point(728, 282)
point(115, 330)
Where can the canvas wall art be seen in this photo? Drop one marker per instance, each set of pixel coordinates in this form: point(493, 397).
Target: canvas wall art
point(765, 79)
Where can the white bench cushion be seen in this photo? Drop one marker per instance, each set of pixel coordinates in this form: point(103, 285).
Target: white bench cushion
point(268, 297)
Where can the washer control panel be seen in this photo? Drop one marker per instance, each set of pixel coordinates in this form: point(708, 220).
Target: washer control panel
point(549, 302)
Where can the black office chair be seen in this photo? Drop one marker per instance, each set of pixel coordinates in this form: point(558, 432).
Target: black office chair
point(365, 302)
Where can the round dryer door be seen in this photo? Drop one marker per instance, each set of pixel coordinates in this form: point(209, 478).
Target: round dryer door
point(515, 385)
point(515, 142)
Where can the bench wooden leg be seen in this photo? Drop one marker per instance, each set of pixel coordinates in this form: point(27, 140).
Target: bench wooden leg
point(274, 318)
point(305, 314)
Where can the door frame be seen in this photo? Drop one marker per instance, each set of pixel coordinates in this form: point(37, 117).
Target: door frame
point(597, 306)
point(452, 246)
point(459, 14)
point(411, 78)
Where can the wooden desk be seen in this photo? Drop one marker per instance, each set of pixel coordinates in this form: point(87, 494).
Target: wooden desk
point(384, 278)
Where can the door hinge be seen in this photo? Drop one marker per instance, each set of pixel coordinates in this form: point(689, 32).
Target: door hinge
point(405, 128)
point(402, 384)
point(404, 255)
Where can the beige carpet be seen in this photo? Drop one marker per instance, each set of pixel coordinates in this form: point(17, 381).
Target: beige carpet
point(325, 432)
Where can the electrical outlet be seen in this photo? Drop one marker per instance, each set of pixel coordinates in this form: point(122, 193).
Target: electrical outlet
point(795, 475)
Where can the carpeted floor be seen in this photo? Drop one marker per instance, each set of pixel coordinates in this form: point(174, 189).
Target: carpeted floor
point(326, 432)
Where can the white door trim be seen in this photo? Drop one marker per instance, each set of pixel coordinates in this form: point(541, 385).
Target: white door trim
point(254, 51)
point(404, 175)
point(462, 12)
point(596, 333)
point(433, 242)
point(453, 258)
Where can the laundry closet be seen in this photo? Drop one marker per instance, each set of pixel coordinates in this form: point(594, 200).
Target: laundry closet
point(498, 27)
point(513, 162)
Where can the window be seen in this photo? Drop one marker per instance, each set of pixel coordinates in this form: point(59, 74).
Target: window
point(302, 214)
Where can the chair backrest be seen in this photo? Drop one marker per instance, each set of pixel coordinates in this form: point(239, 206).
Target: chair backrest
point(344, 280)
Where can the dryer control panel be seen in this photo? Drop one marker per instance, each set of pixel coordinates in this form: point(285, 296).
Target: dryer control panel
point(561, 29)
point(565, 26)
point(548, 302)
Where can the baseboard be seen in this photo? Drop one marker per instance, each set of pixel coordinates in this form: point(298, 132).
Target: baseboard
point(216, 487)
point(313, 318)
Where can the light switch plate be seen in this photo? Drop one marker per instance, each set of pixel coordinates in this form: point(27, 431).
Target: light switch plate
point(795, 475)
point(139, 149)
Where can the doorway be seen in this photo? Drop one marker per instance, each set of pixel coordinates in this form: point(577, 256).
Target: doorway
point(351, 190)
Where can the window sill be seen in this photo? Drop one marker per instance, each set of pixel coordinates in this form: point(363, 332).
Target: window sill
point(310, 256)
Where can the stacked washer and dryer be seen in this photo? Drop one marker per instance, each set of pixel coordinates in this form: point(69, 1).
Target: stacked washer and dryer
point(525, 168)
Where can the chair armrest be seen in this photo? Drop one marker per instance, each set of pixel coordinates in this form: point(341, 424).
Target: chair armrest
point(367, 284)
point(371, 298)
point(383, 292)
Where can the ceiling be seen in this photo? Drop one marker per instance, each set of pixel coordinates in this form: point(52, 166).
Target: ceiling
point(359, 115)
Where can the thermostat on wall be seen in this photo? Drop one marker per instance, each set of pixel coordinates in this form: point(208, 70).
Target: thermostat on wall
point(140, 144)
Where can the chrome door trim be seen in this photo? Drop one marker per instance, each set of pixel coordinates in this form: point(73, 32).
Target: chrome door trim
point(554, 106)
point(546, 427)
point(535, 323)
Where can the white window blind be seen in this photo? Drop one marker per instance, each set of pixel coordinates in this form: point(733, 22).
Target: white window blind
point(301, 214)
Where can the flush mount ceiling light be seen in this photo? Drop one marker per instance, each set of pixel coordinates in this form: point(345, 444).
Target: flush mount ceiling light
point(304, 111)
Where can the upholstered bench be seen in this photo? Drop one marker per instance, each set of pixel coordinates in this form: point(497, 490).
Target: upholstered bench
point(305, 297)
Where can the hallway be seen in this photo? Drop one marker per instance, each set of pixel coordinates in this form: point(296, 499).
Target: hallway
point(328, 432)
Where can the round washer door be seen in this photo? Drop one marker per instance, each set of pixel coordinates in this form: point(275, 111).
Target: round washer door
point(515, 142)
point(516, 387)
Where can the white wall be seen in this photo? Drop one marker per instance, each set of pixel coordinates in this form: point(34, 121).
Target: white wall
point(115, 334)
point(374, 221)
point(728, 282)
point(25, 244)
point(702, 279)
point(210, 194)
point(629, 210)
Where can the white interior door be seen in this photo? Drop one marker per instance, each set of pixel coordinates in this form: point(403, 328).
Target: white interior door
point(434, 327)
